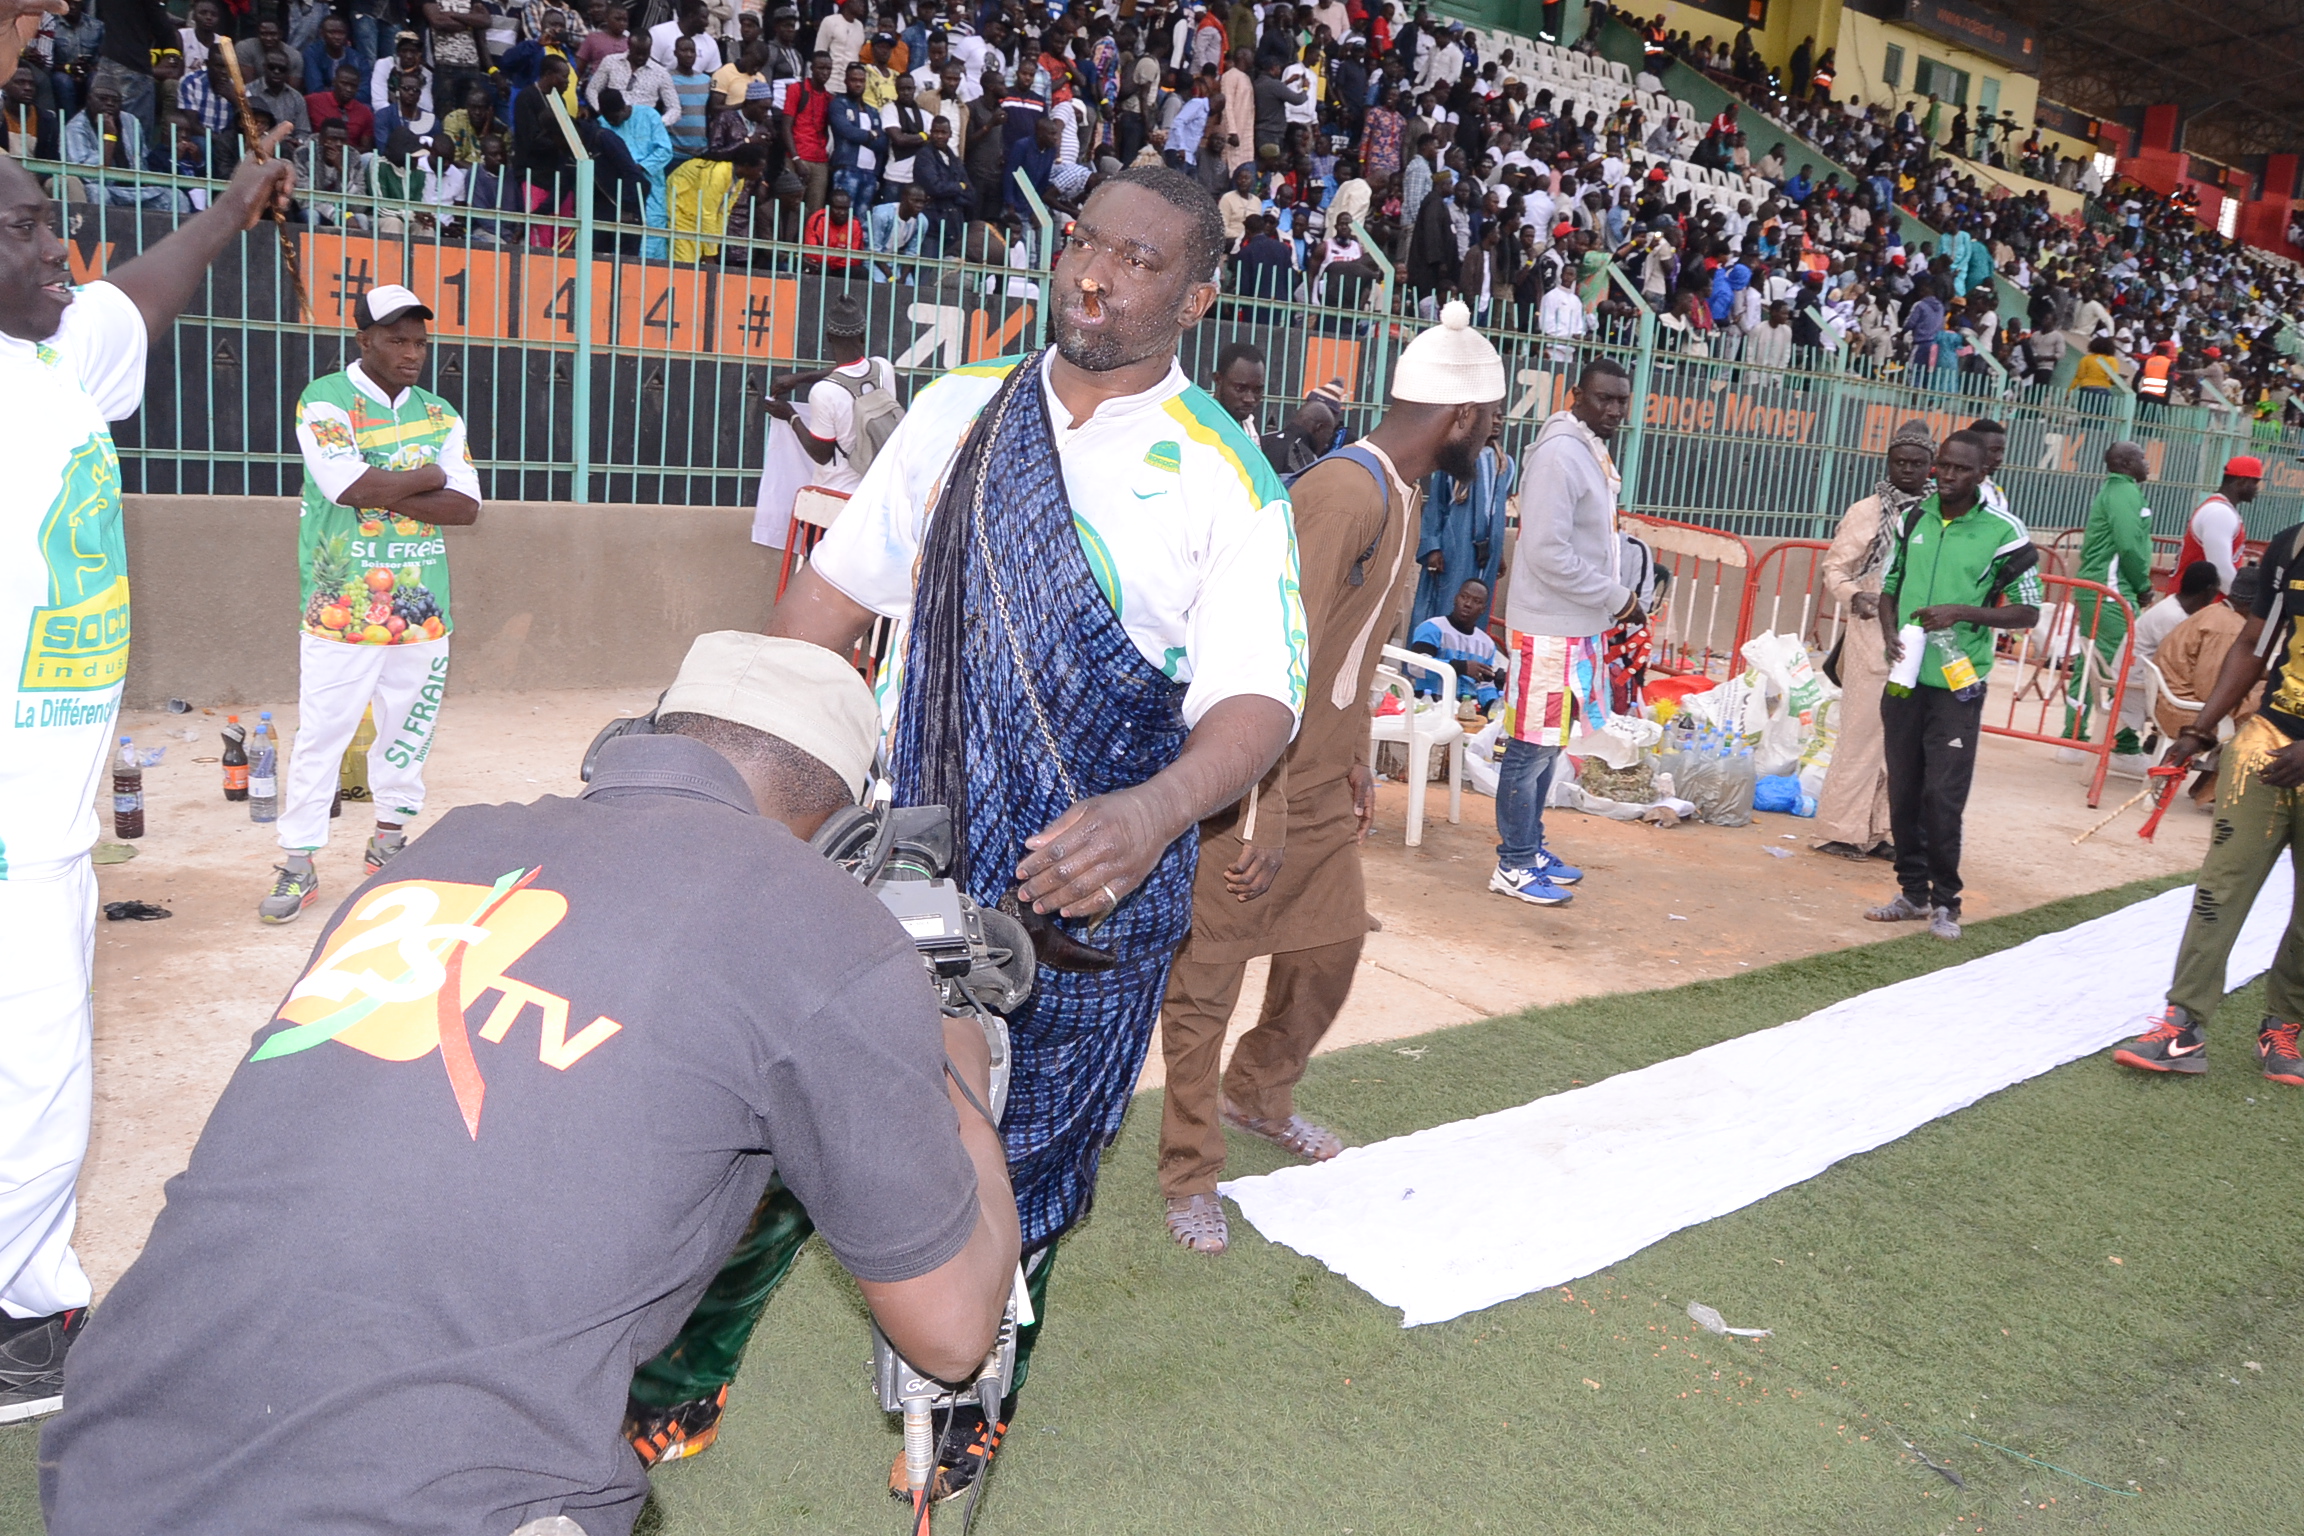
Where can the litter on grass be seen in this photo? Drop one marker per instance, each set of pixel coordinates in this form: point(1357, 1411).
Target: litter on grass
point(1711, 1321)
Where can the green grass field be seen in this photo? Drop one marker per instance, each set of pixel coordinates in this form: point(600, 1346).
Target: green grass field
point(2080, 1268)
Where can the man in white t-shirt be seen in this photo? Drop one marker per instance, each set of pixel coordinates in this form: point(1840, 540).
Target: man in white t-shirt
point(1101, 642)
point(829, 435)
point(2215, 532)
point(842, 35)
point(71, 360)
point(693, 22)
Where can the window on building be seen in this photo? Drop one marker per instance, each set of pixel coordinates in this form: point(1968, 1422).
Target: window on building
point(2228, 218)
point(1942, 81)
point(1987, 97)
point(1892, 71)
point(2106, 167)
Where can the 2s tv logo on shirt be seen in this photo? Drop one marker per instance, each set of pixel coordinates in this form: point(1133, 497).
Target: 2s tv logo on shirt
point(395, 978)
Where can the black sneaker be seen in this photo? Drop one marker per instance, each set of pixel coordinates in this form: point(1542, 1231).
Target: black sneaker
point(670, 1434)
point(2276, 1049)
point(2174, 1043)
point(962, 1455)
point(32, 1351)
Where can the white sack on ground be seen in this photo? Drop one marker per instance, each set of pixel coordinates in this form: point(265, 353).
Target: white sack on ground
point(1466, 1215)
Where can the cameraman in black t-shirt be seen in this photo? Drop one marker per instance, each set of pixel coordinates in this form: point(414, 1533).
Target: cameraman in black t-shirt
point(519, 1108)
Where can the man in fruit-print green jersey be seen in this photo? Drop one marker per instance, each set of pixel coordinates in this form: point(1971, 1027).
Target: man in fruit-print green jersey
point(385, 466)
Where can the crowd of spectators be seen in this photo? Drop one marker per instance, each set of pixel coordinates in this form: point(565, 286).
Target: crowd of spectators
point(2133, 285)
point(1327, 132)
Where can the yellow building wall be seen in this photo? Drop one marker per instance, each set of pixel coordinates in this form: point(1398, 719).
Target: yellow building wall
point(1788, 22)
point(1863, 56)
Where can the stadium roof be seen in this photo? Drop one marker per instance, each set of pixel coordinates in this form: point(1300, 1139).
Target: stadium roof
point(2234, 67)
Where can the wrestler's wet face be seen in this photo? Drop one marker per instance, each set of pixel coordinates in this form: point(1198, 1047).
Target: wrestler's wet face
point(1126, 286)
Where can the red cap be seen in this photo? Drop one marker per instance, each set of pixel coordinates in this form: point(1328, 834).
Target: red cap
point(1558, 230)
point(2246, 466)
point(2214, 352)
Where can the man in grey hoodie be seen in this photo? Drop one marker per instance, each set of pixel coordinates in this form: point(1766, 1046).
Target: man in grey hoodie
point(1565, 591)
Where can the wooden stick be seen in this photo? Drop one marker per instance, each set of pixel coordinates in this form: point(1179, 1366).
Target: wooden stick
point(2107, 821)
point(255, 142)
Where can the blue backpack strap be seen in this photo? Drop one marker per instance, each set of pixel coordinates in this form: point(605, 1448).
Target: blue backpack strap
point(1369, 462)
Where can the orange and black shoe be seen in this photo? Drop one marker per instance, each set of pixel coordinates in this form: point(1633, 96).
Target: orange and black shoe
point(668, 1434)
point(963, 1454)
point(2174, 1043)
point(2276, 1049)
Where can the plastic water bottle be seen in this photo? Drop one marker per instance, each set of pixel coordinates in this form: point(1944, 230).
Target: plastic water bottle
point(235, 759)
point(127, 792)
point(264, 776)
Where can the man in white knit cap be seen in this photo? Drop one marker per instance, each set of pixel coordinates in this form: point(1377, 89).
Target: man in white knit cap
point(1565, 592)
point(1279, 872)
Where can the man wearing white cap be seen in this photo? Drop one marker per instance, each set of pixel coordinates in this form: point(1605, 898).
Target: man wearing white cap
point(1280, 871)
point(385, 467)
point(401, 1285)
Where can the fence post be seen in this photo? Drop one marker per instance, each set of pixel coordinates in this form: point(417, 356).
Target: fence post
point(1643, 373)
point(1047, 259)
point(1382, 379)
point(580, 434)
point(1820, 505)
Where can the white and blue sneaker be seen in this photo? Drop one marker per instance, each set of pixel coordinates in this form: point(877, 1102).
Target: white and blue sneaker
point(1529, 885)
point(1556, 869)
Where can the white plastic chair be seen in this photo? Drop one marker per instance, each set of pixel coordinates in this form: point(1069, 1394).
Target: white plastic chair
point(1421, 731)
point(2155, 685)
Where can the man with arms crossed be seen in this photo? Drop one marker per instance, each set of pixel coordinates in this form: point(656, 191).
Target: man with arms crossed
point(71, 360)
point(402, 1283)
point(1280, 871)
point(385, 466)
point(1103, 645)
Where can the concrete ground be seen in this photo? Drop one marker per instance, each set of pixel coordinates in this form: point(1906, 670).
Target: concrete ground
point(177, 1000)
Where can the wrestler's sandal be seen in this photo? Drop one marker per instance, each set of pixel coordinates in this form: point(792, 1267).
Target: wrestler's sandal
point(2174, 1043)
point(963, 1453)
point(1296, 1134)
point(2276, 1049)
point(670, 1434)
point(1197, 1221)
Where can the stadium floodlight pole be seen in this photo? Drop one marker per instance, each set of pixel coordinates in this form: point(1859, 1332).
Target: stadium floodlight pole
point(580, 433)
point(1047, 255)
point(1635, 428)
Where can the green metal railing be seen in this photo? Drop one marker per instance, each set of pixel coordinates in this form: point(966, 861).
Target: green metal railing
point(626, 359)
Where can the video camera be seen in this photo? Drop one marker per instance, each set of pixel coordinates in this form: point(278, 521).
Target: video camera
point(981, 962)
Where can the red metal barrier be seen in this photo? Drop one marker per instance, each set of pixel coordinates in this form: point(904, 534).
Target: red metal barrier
point(2038, 666)
point(1705, 610)
point(1787, 597)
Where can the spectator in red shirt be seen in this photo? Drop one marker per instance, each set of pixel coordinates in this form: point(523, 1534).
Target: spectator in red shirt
point(834, 227)
point(807, 113)
point(342, 100)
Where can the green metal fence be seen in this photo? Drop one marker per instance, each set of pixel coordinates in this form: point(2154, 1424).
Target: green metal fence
point(606, 358)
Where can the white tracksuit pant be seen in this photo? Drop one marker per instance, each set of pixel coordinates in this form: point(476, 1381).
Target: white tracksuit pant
point(47, 954)
point(335, 684)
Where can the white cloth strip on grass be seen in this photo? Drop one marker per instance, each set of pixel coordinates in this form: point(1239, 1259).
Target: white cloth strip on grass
point(1466, 1215)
